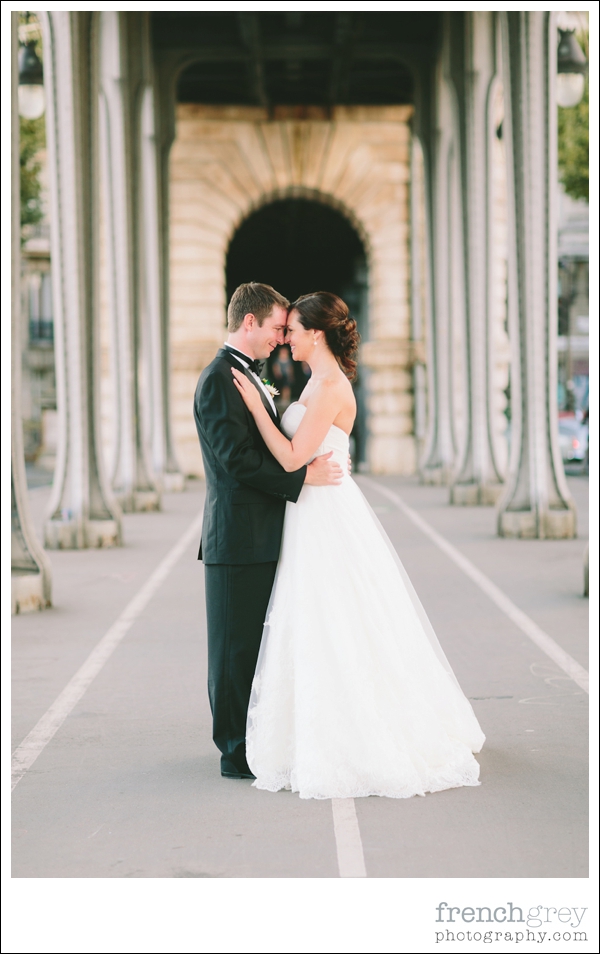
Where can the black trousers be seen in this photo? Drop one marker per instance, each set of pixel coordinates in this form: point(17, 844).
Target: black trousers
point(237, 597)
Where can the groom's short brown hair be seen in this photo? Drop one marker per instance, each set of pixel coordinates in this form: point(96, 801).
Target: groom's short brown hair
point(253, 298)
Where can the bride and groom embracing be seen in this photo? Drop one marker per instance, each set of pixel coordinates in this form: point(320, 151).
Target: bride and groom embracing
point(324, 674)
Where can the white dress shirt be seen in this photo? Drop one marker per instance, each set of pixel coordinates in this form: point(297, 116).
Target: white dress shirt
point(253, 373)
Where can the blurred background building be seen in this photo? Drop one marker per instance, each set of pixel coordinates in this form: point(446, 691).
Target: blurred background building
point(405, 160)
point(573, 303)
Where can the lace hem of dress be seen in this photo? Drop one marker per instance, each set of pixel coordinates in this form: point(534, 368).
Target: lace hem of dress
point(466, 775)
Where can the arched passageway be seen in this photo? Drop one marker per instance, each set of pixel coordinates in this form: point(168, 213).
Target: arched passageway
point(300, 246)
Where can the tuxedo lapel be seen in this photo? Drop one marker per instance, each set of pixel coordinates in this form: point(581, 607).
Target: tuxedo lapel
point(233, 360)
point(263, 396)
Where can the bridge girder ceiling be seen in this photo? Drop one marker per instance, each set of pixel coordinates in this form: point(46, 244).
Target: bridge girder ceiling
point(294, 58)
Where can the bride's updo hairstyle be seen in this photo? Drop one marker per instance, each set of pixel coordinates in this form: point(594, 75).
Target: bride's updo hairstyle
point(325, 312)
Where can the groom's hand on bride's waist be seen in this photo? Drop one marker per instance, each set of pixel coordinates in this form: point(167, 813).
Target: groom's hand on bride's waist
point(323, 472)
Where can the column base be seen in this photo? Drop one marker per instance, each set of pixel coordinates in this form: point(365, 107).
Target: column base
point(139, 501)
point(435, 476)
point(75, 535)
point(173, 483)
point(475, 495)
point(27, 593)
point(146, 500)
point(529, 525)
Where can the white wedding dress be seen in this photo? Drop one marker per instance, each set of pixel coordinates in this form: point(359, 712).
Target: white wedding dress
point(352, 694)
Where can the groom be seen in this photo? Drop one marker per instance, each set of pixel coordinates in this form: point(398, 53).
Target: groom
point(246, 493)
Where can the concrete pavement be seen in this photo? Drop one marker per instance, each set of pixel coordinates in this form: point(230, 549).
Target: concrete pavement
point(130, 787)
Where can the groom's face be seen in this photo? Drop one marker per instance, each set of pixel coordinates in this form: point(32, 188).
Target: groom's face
point(267, 336)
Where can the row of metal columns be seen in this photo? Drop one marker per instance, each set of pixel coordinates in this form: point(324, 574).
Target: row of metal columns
point(102, 120)
point(481, 50)
point(102, 145)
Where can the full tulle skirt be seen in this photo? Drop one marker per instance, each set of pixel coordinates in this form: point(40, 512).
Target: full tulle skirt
point(352, 695)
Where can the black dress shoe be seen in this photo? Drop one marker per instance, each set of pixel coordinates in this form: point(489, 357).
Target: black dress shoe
point(230, 770)
point(247, 774)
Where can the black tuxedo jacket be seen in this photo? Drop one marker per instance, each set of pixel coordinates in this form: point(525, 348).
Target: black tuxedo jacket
point(246, 488)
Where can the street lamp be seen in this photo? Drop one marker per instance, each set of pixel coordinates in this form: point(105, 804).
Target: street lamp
point(572, 66)
point(32, 101)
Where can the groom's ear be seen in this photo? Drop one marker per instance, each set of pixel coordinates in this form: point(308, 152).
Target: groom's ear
point(249, 321)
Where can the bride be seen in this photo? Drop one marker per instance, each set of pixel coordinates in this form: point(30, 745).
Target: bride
point(352, 694)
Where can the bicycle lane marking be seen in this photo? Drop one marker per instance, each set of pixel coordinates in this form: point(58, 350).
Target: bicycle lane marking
point(46, 728)
point(524, 622)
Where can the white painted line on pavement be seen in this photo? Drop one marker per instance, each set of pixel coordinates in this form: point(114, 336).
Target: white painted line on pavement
point(37, 740)
point(351, 859)
point(537, 635)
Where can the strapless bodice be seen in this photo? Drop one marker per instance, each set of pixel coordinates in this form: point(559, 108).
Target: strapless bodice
point(336, 439)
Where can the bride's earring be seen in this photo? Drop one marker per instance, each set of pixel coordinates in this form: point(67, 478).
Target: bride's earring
point(315, 341)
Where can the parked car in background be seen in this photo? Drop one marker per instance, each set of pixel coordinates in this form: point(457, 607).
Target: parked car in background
point(573, 438)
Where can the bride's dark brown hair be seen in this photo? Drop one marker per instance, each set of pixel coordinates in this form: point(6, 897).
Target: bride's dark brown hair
point(325, 312)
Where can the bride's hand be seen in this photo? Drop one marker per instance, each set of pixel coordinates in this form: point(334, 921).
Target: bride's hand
point(249, 393)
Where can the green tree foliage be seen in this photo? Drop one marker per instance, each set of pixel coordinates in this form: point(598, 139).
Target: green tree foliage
point(32, 140)
point(574, 141)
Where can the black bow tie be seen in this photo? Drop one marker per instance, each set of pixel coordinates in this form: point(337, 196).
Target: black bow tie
point(253, 364)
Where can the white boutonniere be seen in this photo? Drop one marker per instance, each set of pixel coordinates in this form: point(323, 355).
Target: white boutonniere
point(270, 388)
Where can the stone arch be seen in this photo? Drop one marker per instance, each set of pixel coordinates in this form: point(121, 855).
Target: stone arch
point(227, 162)
point(321, 199)
point(310, 195)
point(337, 210)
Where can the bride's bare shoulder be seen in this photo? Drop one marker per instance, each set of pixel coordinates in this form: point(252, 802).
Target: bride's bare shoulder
point(332, 388)
point(334, 383)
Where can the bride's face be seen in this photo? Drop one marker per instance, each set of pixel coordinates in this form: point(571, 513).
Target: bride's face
point(300, 339)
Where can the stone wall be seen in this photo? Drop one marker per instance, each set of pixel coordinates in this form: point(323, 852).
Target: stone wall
point(227, 162)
